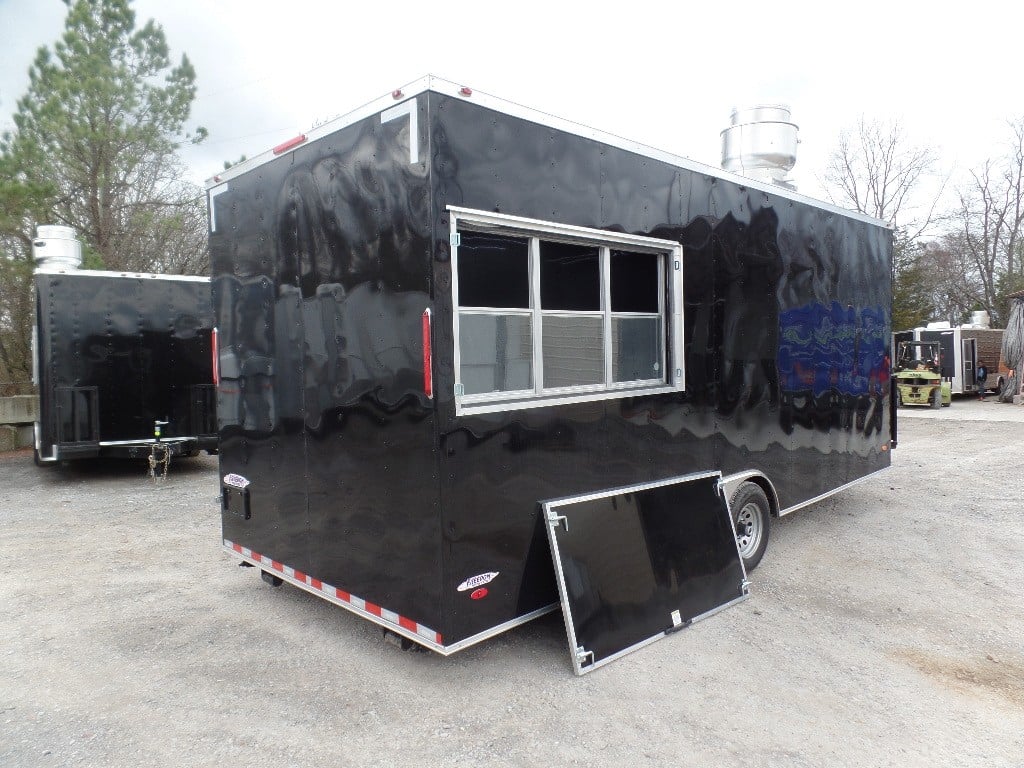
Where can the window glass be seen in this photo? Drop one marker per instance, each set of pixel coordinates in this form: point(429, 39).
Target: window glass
point(550, 313)
point(570, 277)
point(636, 349)
point(634, 281)
point(496, 352)
point(494, 271)
point(573, 351)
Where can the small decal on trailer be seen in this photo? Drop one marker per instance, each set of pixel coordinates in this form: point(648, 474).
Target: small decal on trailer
point(477, 581)
point(236, 481)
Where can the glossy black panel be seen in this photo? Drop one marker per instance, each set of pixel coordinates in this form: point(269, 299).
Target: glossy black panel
point(117, 353)
point(639, 563)
point(320, 263)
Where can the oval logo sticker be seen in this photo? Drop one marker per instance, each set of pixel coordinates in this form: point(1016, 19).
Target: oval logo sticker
point(477, 581)
point(236, 481)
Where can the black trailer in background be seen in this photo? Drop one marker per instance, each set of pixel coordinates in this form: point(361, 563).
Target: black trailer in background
point(444, 311)
point(118, 356)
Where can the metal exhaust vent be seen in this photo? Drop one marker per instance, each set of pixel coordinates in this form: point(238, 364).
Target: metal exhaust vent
point(760, 143)
point(56, 248)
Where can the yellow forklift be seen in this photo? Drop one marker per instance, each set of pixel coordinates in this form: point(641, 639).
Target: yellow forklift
point(918, 375)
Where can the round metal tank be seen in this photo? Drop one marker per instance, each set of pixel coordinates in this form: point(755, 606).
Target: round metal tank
point(56, 247)
point(760, 143)
point(980, 319)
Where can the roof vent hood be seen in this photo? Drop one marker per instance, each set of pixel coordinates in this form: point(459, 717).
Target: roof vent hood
point(981, 319)
point(760, 143)
point(56, 248)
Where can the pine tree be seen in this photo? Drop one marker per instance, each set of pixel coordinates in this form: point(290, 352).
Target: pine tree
point(97, 133)
point(94, 148)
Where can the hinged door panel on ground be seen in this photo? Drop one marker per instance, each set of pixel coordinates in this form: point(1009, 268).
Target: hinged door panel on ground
point(636, 564)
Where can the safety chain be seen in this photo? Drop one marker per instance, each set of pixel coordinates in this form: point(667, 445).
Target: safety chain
point(163, 460)
point(159, 455)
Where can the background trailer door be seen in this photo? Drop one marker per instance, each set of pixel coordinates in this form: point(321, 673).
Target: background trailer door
point(116, 353)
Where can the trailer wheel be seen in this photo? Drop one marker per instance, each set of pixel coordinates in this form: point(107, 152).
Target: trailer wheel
point(402, 643)
point(936, 398)
point(751, 517)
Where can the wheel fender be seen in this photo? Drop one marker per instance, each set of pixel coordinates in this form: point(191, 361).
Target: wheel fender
point(731, 482)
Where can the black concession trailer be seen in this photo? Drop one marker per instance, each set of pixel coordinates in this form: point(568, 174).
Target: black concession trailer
point(476, 361)
point(123, 363)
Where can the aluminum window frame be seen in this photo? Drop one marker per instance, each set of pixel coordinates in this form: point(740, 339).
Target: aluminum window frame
point(670, 306)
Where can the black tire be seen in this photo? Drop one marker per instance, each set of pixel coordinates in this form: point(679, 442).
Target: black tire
point(936, 401)
point(751, 517)
point(403, 643)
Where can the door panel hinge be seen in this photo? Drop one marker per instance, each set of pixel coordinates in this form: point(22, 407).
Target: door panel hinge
point(554, 520)
point(582, 654)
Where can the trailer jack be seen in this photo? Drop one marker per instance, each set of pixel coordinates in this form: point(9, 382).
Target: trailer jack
point(271, 579)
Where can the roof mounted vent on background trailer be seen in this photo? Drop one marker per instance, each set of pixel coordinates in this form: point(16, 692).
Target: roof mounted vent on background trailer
point(760, 143)
point(56, 247)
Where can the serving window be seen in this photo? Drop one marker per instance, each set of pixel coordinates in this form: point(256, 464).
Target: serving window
point(549, 313)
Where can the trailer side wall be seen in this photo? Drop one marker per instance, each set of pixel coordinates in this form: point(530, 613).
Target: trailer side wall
point(786, 330)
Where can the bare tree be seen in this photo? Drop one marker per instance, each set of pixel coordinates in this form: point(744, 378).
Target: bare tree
point(875, 170)
point(989, 220)
point(949, 280)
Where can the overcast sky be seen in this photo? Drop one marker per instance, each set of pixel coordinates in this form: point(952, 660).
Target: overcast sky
point(665, 74)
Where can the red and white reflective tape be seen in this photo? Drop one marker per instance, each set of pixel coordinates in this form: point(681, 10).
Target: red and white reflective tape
point(335, 595)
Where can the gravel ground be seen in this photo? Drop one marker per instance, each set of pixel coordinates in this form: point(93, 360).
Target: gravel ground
point(884, 629)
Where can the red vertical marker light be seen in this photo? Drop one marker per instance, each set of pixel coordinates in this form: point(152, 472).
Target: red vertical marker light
point(215, 354)
point(428, 375)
